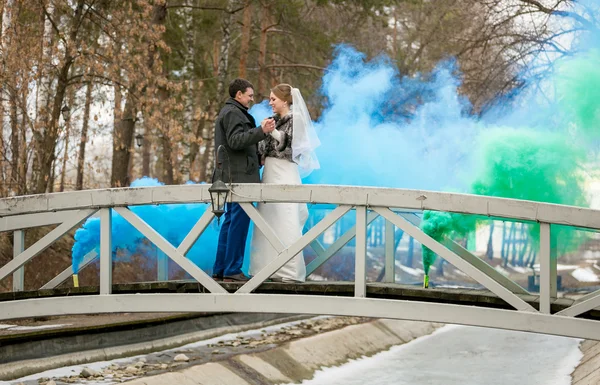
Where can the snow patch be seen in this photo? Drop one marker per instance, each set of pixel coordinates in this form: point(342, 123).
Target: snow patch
point(585, 274)
point(414, 272)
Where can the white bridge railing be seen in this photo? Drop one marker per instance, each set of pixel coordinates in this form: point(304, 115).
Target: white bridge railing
point(70, 209)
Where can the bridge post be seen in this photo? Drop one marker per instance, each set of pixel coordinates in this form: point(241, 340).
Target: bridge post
point(360, 270)
point(18, 248)
point(390, 253)
point(162, 264)
point(105, 251)
point(548, 266)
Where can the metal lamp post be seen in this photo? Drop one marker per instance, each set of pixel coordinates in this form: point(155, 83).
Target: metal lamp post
point(219, 190)
point(139, 140)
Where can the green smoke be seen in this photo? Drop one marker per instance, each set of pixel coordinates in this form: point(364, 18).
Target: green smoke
point(524, 164)
point(578, 92)
point(438, 225)
point(517, 164)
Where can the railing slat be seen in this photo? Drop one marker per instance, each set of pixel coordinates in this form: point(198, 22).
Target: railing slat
point(390, 253)
point(548, 267)
point(46, 241)
point(360, 263)
point(485, 268)
point(337, 246)
point(196, 232)
point(105, 251)
point(164, 245)
point(455, 260)
point(590, 302)
point(261, 225)
point(68, 272)
point(293, 249)
point(18, 248)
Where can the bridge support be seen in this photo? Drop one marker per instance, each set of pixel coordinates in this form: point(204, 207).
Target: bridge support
point(390, 253)
point(105, 251)
point(360, 266)
point(18, 248)
point(548, 267)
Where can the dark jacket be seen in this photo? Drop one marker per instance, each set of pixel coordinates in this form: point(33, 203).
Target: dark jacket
point(236, 130)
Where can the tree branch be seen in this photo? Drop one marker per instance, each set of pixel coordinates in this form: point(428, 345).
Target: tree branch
point(310, 66)
point(553, 11)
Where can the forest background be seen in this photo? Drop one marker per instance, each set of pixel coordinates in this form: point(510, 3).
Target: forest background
point(81, 79)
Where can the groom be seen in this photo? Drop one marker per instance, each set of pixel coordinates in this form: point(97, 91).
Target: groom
point(236, 131)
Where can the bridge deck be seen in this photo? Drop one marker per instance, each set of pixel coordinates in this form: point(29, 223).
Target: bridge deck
point(457, 296)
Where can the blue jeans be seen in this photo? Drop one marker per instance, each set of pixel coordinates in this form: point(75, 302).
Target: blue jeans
point(232, 241)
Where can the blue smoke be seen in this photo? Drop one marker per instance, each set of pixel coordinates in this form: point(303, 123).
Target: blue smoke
point(173, 222)
point(382, 129)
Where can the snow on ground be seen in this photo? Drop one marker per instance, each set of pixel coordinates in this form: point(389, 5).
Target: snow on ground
point(411, 271)
point(502, 270)
point(461, 355)
point(519, 269)
point(585, 274)
point(26, 328)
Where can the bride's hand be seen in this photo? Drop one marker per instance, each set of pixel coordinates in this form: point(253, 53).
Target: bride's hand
point(268, 125)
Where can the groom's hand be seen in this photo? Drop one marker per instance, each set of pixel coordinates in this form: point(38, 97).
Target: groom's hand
point(268, 125)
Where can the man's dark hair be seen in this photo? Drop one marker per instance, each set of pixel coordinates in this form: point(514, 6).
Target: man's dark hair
point(239, 85)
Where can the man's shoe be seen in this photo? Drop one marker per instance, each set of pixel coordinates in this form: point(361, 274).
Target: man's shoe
point(236, 278)
point(217, 277)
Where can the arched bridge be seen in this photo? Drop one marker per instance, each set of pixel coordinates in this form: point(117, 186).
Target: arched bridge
point(503, 304)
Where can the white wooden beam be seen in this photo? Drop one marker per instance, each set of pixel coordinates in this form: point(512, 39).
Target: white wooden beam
point(455, 260)
point(68, 272)
point(164, 245)
point(291, 251)
point(390, 253)
point(360, 253)
point(261, 225)
point(346, 195)
point(46, 241)
point(105, 251)
point(337, 246)
point(18, 283)
point(305, 304)
point(196, 232)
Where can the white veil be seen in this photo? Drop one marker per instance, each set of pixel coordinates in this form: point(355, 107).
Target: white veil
point(304, 138)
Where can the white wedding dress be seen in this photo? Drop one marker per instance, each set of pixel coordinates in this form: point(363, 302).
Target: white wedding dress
point(287, 221)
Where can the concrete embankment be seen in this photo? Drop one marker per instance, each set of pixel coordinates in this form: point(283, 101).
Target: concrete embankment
point(588, 370)
point(82, 341)
point(297, 360)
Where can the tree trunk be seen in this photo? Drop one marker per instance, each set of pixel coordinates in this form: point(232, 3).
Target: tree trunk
point(123, 133)
point(46, 151)
point(52, 177)
point(262, 53)
point(146, 155)
point(63, 173)
point(222, 77)
point(195, 148)
point(24, 151)
point(83, 140)
point(7, 10)
point(122, 137)
point(224, 51)
point(246, 31)
point(167, 159)
point(14, 144)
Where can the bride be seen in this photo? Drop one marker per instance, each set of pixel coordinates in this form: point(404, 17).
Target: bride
point(288, 155)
